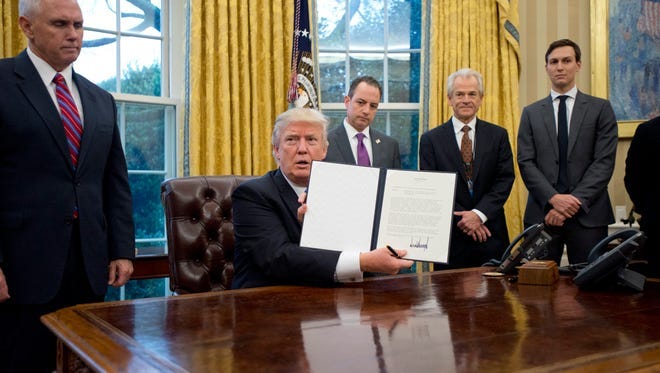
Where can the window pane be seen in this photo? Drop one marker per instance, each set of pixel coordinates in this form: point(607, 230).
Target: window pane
point(97, 59)
point(404, 24)
point(332, 73)
point(145, 137)
point(403, 77)
point(137, 289)
point(141, 17)
point(147, 210)
point(367, 25)
point(151, 247)
point(404, 126)
point(141, 66)
point(331, 24)
point(336, 118)
point(99, 14)
point(367, 64)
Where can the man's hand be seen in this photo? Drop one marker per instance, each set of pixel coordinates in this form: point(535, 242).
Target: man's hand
point(303, 206)
point(565, 204)
point(381, 260)
point(471, 225)
point(119, 272)
point(554, 218)
point(4, 289)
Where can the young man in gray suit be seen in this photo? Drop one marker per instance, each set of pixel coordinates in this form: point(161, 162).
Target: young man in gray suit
point(566, 150)
point(354, 142)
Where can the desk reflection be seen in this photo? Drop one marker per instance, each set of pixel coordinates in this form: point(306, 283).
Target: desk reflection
point(453, 320)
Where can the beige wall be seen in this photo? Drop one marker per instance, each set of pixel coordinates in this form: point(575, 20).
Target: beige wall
point(541, 22)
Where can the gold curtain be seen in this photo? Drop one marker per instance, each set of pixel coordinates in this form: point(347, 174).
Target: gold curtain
point(12, 41)
point(482, 35)
point(240, 52)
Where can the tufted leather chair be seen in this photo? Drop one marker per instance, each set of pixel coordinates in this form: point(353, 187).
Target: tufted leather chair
point(200, 233)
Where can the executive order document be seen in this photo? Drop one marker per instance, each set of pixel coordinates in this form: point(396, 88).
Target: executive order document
point(360, 208)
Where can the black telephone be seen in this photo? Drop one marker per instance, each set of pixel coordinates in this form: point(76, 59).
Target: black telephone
point(532, 247)
point(607, 267)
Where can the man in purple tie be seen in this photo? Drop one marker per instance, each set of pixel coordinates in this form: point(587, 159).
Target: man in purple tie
point(354, 141)
point(66, 224)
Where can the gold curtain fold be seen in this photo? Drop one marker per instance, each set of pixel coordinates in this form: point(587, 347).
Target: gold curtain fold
point(482, 35)
point(240, 52)
point(12, 41)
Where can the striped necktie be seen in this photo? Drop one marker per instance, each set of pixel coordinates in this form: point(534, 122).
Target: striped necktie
point(70, 117)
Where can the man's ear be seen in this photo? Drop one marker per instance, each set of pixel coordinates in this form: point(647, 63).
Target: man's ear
point(26, 27)
point(276, 151)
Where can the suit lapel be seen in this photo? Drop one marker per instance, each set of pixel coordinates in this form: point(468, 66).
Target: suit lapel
point(38, 96)
point(344, 146)
point(450, 145)
point(579, 111)
point(376, 147)
point(548, 115)
point(287, 194)
point(90, 123)
point(480, 133)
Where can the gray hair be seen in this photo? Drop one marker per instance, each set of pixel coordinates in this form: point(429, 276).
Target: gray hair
point(465, 73)
point(311, 116)
point(28, 7)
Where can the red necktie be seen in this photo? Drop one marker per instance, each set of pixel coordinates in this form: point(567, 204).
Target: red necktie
point(70, 117)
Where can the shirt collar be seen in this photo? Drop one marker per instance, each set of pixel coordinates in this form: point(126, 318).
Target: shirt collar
point(296, 188)
point(46, 72)
point(351, 132)
point(458, 125)
point(571, 93)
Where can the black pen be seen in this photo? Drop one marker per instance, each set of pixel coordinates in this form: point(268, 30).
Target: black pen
point(393, 252)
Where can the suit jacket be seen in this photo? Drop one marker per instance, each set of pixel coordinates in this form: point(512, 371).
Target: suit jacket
point(39, 188)
point(592, 142)
point(267, 234)
point(640, 177)
point(492, 177)
point(385, 148)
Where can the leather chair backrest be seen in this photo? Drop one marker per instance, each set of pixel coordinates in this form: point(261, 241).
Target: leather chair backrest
point(200, 232)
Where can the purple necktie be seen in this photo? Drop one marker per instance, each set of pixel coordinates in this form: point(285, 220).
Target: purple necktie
point(362, 155)
point(70, 117)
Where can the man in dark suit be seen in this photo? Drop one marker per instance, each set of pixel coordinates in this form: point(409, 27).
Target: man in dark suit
point(640, 181)
point(361, 106)
point(566, 150)
point(485, 175)
point(66, 226)
point(267, 213)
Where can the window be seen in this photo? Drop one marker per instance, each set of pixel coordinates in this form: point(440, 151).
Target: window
point(126, 51)
point(381, 38)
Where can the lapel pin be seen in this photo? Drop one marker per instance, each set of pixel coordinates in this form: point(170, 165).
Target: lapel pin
point(377, 141)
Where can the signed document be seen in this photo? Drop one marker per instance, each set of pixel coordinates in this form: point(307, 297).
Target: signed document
point(361, 208)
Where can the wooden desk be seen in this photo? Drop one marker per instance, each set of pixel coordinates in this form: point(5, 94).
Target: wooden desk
point(440, 322)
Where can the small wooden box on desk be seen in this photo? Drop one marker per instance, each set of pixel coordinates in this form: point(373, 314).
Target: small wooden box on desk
point(538, 272)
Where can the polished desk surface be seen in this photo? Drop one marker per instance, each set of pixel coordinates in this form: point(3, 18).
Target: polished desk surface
point(433, 322)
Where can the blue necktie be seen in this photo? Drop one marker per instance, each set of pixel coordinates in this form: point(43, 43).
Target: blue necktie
point(562, 141)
